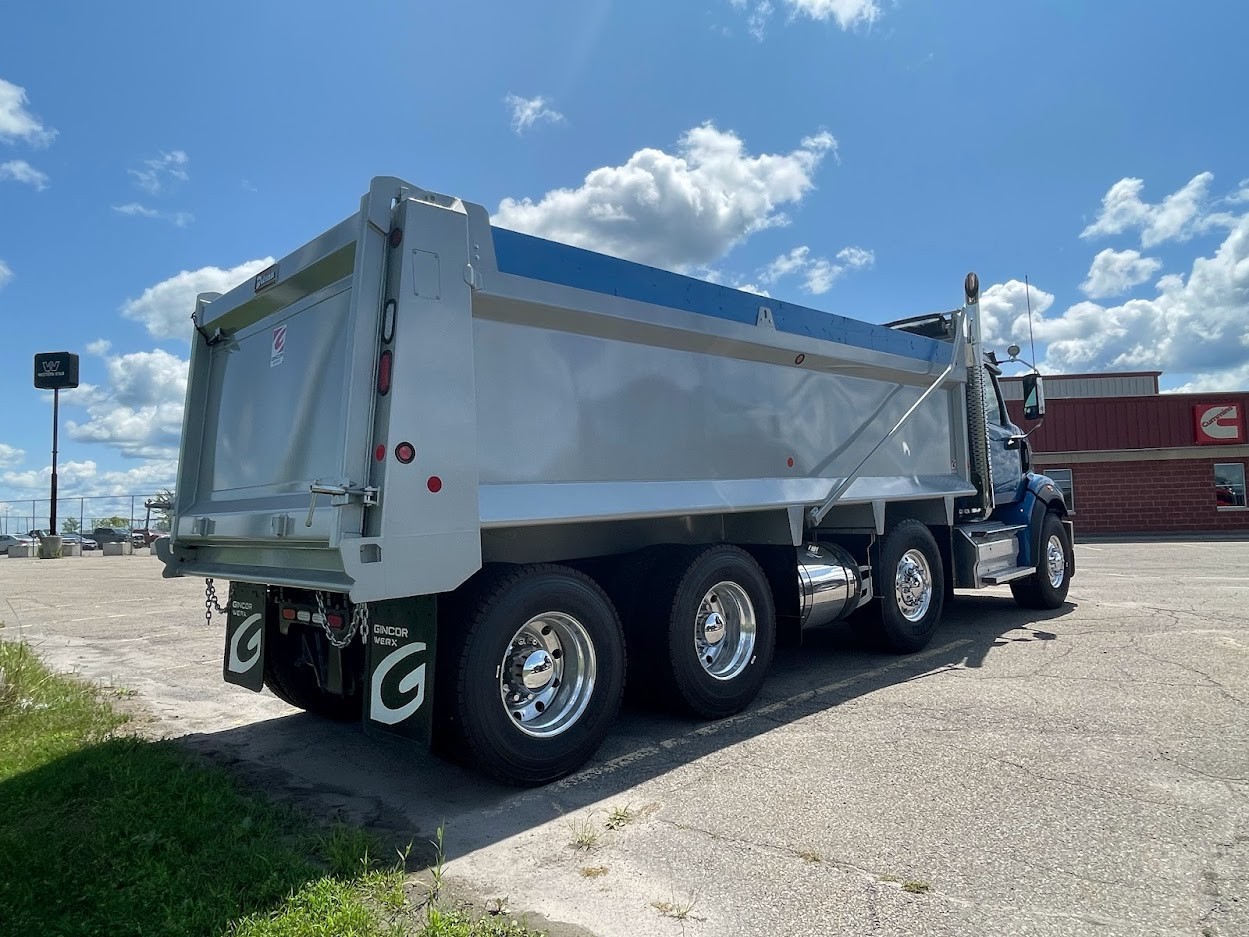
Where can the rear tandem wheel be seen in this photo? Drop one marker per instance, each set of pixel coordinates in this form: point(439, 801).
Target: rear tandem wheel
point(538, 674)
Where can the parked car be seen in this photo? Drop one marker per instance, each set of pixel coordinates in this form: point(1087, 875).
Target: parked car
point(110, 535)
point(13, 540)
point(87, 542)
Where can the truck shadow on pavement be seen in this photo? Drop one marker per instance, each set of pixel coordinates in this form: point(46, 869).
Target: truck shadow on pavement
point(405, 793)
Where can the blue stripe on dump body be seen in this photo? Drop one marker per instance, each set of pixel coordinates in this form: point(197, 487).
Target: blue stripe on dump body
point(527, 256)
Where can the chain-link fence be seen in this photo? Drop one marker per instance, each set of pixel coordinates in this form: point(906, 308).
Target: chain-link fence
point(123, 513)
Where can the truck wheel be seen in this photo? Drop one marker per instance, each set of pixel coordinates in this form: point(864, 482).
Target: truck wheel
point(291, 676)
point(911, 586)
point(540, 674)
point(1047, 587)
point(721, 632)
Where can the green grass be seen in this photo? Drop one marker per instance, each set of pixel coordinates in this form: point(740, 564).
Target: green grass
point(102, 832)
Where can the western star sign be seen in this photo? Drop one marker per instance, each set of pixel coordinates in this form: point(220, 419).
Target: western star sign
point(56, 370)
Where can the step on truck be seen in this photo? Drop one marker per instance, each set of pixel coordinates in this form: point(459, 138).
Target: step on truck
point(465, 483)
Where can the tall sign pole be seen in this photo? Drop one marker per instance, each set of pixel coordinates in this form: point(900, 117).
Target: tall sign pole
point(55, 371)
point(56, 425)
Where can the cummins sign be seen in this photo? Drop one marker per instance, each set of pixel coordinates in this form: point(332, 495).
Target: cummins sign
point(1218, 424)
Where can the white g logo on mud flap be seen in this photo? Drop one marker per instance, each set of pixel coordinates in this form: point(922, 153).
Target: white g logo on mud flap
point(236, 664)
point(379, 709)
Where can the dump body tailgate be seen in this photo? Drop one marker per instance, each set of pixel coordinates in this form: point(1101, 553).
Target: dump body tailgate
point(280, 399)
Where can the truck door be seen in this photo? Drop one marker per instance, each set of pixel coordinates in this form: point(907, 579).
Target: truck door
point(1007, 464)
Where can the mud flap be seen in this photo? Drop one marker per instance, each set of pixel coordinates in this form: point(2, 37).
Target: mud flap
point(244, 663)
point(399, 662)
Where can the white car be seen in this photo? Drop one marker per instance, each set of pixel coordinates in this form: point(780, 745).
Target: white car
point(11, 540)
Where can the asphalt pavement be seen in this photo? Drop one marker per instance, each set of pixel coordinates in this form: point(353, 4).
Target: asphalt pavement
point(1083, 771)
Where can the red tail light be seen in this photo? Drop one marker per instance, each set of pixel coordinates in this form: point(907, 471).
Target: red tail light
point(335, 621)
point(383, 373)
point(288, 614)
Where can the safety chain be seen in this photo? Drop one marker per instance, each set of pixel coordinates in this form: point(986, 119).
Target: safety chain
point(359, 616)
point(210, 602)
point(359, 622)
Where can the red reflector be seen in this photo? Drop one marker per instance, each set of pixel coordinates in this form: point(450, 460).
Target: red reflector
point(383, 374)
point(288, 614)
point(396, 237)
point(405, 452)
point(380, 452)
point(434, 484)
point(336, 621)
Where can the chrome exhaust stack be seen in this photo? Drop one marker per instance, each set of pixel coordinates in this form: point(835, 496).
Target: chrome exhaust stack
point(829, 583)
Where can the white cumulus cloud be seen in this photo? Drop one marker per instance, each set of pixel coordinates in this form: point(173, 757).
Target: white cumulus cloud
point(1004, 311)
point(155, 174)
point(818, 273)
point(18, 170)
point(1194, 324)
point(139, 412)
point(847, 14)
point(16, 122)
point(856, 257)
point(166, 307)
point(138, 210)
point(528, 111)
point(11, 456)
point(84, 479)
point(1178, 217)
point(675, 210)
point(1113, 273)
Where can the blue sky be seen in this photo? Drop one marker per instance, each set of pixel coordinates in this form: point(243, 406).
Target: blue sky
point(858, 156)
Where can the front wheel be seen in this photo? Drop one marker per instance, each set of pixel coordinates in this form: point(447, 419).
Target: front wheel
point(1047, 587)
point(911, 587)
point(540, 674)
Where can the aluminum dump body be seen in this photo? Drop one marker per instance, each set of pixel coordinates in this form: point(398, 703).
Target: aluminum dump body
point(538, 388)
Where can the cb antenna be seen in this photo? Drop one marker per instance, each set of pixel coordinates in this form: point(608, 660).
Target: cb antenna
point(1027, 295)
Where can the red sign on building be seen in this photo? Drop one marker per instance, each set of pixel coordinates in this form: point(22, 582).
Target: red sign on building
point(1218, 424)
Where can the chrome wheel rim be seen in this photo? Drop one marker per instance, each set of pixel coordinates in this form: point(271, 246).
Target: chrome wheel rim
point(724, 630)
point(912, 585)
point(1055, 561)
point(547, 674)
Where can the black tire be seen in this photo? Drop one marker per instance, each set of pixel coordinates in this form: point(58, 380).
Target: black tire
point(909, 540)
point(495, 740)
point(291, 675)
point(1037, 590)
point(735, 672)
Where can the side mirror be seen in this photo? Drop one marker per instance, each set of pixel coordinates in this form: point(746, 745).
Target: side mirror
point(1033, 397)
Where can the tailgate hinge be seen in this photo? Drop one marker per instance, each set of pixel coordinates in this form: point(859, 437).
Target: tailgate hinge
point(340, 495)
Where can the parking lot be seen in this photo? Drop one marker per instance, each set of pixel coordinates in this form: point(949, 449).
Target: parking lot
point(1078, 772)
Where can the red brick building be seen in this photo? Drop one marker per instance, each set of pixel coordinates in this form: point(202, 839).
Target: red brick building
point(1131, 460)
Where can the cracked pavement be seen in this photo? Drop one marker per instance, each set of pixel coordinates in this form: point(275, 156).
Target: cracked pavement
point(1078, 772)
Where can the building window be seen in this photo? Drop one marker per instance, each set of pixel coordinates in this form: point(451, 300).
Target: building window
point(1062, 478)
point(1229, 485)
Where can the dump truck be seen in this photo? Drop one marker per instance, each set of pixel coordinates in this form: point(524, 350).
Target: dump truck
point(466, 483)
